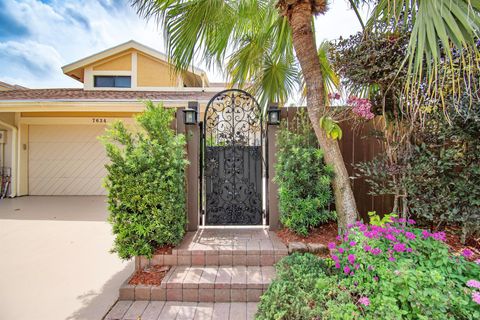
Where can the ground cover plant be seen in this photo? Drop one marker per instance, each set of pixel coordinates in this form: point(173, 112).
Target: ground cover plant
point(146, 183)
point(304, 181)
point(389, 270)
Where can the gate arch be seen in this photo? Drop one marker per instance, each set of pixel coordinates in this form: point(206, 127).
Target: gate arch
point(232, 173)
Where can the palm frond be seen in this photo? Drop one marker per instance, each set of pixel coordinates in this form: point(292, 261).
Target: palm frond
point(442, 31)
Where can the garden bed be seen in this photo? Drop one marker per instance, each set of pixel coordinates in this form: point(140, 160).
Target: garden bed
point(150, 275)
point(164, 250)
point(324, 234)
point(328, 233)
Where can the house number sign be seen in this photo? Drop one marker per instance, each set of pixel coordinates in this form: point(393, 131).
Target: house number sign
point(99, 120)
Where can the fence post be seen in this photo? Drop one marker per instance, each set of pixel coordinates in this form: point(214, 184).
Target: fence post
point(273, 210)
point(191, 173)
point(193, 149)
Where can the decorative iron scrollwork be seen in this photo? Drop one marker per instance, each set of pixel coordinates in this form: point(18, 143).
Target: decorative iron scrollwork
point(233, 159)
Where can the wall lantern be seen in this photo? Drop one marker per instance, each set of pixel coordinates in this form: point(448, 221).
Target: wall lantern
point(273, 114)
point(190, 113)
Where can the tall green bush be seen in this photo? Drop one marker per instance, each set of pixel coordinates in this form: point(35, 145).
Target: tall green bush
point(304, 181)
point(146, 183)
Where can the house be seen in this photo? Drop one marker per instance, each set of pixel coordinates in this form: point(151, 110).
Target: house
point(50, 144)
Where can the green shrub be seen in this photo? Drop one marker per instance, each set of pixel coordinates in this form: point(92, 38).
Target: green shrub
point(387, 272)
point(304, 181)
point(294, 294)
point(145, 183)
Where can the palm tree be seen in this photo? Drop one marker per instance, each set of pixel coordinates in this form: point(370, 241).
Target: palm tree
point(262, 41)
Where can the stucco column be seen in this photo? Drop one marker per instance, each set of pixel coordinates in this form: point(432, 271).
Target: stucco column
point(273, 209)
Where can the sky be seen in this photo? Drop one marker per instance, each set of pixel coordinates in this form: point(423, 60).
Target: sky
point(38, 37)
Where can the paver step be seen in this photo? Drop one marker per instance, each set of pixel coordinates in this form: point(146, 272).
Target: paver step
point(222, 248)
point(161, 310)
point(206, 284)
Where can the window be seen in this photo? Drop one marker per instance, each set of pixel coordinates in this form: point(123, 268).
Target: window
point(112, 81)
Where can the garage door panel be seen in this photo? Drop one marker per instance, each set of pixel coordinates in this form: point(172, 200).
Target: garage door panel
point(66, 160)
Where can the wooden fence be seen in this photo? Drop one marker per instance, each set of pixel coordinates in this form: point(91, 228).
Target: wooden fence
point(357, 145)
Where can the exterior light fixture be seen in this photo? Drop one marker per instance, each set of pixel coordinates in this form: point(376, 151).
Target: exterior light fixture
point(190, 114)
point(273, 114)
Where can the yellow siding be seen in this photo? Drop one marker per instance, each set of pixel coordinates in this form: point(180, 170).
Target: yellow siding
point(154, 73)
point(121, 62)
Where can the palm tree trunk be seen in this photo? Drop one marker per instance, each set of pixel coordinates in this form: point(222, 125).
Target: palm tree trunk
point(300, 19)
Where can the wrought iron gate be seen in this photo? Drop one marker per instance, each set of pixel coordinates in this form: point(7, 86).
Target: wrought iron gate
point(232, 166)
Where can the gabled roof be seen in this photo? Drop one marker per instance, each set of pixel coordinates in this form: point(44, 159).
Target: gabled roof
point(11, 86)
point(132, 44)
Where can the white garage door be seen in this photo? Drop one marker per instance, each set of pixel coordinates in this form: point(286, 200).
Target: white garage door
point(66, 160)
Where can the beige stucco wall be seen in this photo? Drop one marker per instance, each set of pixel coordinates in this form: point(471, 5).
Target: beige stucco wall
point(7, 153)
point(154, 73)
point(121, 62)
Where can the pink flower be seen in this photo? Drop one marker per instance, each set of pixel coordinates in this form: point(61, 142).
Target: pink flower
point(361, 107)
point(334, 257)
point(367, 248)
point(351, 258)
point(411, 221)
point(410, 235)
point(376, 251)
point(337, 265)
point(440, 236)
point(399, 247)
point(391, 258)
point(375, 278)
point(409, 249)
point(477, 261)
point(331, 245)
point(341, 250)
point(467, 253)
point(425, 234)
point(352, 243)
point(390, 237)
point(473, 284)
point(346, 269)
point(476, 297)
point(364, 300)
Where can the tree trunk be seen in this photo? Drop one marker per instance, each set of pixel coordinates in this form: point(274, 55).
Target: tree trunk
point(300, 19)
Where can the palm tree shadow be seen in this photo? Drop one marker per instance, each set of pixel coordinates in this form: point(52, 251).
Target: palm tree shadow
point(96, 304)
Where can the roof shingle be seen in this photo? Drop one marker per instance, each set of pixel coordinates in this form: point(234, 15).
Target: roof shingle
point(99, 95)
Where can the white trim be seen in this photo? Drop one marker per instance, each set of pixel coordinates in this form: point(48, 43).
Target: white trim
point(122, 47)
point(87, 106)
point(88, 78)
point(13, 178)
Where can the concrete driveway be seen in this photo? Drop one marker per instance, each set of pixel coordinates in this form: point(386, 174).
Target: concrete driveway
point(55, 261)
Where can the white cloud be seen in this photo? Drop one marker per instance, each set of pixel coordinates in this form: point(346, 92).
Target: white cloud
point(62, 31)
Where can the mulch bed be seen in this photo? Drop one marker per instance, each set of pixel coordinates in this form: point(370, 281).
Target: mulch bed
point(164, 250)
point(328, 233)
point(323, 234)
point(151, 275)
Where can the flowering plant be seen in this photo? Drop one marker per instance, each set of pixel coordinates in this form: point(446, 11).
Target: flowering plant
point(362, 107)
point(407, 268)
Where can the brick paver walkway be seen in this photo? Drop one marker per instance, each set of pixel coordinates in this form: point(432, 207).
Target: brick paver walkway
point(169, 310)
point(214, 274)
